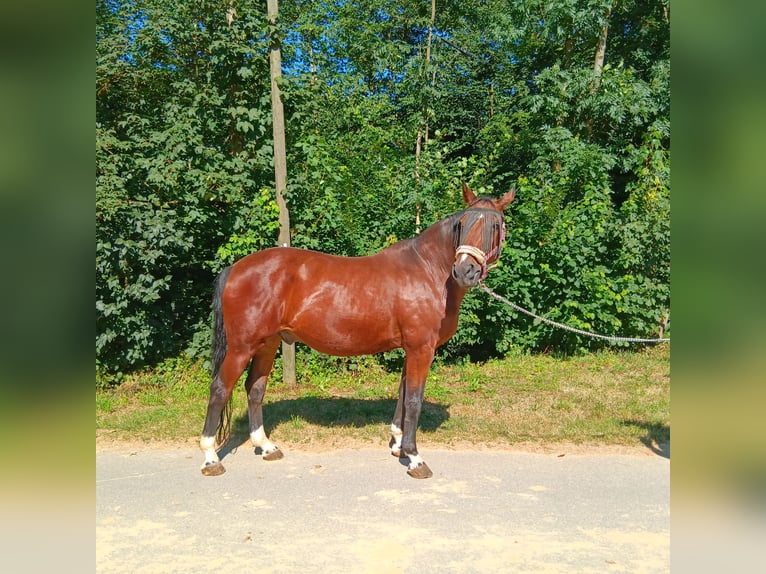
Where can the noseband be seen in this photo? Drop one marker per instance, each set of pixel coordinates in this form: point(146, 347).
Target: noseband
point(489, 251)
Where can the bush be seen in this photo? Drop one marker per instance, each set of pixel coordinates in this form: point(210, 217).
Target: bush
point(184, 173)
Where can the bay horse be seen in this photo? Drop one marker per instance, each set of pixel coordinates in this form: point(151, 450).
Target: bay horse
point(406, 296)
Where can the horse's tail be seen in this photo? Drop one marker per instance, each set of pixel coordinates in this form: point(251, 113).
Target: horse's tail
point(219, 353)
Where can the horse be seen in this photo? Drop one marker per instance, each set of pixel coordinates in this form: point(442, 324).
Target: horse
point(406, 296)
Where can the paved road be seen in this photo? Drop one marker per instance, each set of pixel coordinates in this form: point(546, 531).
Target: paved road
point(357, 511)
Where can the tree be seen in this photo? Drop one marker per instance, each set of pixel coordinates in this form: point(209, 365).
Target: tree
point(181, 140)
point(387, 108)
point(423, 127)
point(280, 166)
point(598, 64)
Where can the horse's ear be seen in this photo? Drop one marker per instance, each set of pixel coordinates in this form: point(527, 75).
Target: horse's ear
point(468, 196)
point(506, 200)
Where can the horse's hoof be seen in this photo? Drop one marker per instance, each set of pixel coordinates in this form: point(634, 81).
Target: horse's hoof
point(420, 471)
point(397, 452)
point(273, 455)
point(213, 469)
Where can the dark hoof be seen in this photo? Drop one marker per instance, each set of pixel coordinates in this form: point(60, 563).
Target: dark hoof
point(273, 455)
point(213, 469)
point(420, 471)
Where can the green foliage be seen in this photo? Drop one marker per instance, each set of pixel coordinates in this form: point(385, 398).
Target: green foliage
point(509, 97)
point(180, 149)
point(260, 232)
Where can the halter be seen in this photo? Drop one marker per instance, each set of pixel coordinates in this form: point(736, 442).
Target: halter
point(489, 251)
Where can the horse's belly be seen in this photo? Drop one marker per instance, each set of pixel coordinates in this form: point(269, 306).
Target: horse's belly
point(343, 342)
point(337, 335)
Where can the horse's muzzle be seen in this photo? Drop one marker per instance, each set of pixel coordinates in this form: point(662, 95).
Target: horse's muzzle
point(467, 273)
point(470, 266)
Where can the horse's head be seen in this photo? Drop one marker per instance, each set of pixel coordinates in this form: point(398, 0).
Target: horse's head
point(479, 233)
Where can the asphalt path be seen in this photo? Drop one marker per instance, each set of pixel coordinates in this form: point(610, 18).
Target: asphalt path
point(357, 511)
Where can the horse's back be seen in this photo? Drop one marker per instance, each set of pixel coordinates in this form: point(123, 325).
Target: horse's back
point(289, 267)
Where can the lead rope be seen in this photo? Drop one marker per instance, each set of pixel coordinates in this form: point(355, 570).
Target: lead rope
point(609, 338)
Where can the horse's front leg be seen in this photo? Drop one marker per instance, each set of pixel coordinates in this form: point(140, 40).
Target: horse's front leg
point(416, 368)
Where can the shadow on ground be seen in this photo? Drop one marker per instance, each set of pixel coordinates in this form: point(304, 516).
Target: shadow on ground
point(332, 412)
point(657, 437)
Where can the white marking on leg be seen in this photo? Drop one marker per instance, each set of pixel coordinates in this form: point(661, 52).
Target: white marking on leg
point(415, 461)
point(396, 434)
point(260, 440)
point(207, 444)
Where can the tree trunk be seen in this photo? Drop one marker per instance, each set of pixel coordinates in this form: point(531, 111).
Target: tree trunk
point(598, 64)
point(423, 129)
point(280, 169)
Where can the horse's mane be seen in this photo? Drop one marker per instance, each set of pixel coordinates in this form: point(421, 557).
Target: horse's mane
point(452, 223)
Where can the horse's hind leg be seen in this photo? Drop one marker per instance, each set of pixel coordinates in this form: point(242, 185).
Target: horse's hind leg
point(255, 385)
point(398, 423)
point(220, 391)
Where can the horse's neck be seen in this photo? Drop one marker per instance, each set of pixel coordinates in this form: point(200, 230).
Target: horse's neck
point(436, 245)
point(436, 248)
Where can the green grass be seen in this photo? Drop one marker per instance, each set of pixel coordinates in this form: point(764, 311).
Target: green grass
point(607, 398)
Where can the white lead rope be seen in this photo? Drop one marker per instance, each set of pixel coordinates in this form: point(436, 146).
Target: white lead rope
point(609, 338)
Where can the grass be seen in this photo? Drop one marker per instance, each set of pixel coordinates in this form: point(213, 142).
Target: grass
point(607, 398)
